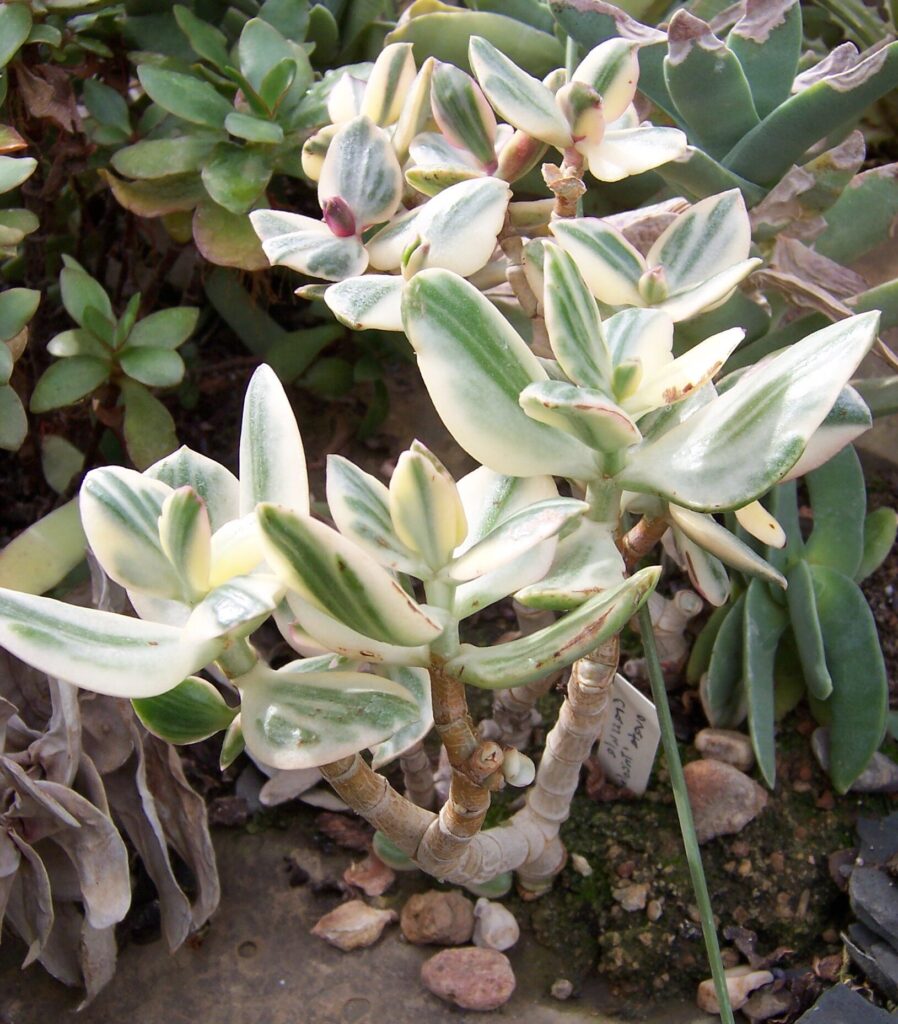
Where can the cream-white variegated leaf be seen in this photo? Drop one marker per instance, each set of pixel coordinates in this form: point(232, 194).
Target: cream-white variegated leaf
point(463, 114)
point(415, 111)
point(308, 246)
point(272, 458)
point(431, 150)
point(489, 499)
point(519, 98)
point(236, 608)
point(330, 572)
point(186, 538)
point(372, 302)
point(100, 651)
point(362, 171)
point(609, 264)
point(217, 486)
point(388, 84)
point(756, 520)
point(847, 420)
point(706, 572)
point(587, 561)
point(612, 69)
point(709, 294)
point(306, 719)
point(344, 101)
point(581, 412)
point(425, 507)
point(628, 151)
point(475, 366)
point(157, 609)
point(417, 682)
point(642, 335)
point(236, 550)
point(120, 510)
point(360, 506)
point(386, 247)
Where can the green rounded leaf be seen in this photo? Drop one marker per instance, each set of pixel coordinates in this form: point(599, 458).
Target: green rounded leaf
point(155, 367)
point(68, 381)
point(194, 710)
point(186, 97)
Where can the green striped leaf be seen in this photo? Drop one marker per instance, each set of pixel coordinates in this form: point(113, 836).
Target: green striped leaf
point(520, 99)
point(706, 572)
point(556, 646)
point(215, 485)
point(723, 692)
point(425, 507)
point(361, 169)
point(734, 449)
point(698, 176)
point(767, 39)
point(700, 656)
point(463, 115)
point(388, 84)
point(764, 623)
point(272, 459)
point(708, 85)
point(848, 419)
point(186, 97)
point(839, 500)
point(416, 111)
point(417, 682)
point(43, 554)
point(235, 608)
point(99, 651)
point(293, 720)
point(802, 604)
point(186, 539)
point(335, 576)
point(609, 264)
point(573, 323)
point(612, 69)
point(583, 413)
point(308, 246)
point(709, 294)
point(475, 366)
point(372, 302)
point(642, 336)
point(194, 710)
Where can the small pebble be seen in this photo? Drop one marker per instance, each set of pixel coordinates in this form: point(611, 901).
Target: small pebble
point(726, 745)
point(495, 927)
point(472, 978)
point(562, 989)
point(632, 897)
point(370, 875)
point(438, 918)
point(353, 925)
point(741, 982)
point(723, 799)
point(654, 910)
point(581, 865)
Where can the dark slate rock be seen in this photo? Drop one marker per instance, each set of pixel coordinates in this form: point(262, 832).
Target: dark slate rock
point(876, 958)
point(879, 839)
point(841, 1005)
point(874, 900)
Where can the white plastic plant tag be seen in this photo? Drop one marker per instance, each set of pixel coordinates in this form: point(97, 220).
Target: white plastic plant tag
point(630, 738)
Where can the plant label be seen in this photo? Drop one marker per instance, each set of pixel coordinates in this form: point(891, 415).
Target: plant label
point(630, 738)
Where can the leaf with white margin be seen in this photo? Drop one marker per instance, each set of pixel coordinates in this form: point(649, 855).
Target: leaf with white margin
point(272, 458)
point(330, 634)
point(848, 419)
point(415, 111)
point(385, 248)
point(709, 535)
point(216, 485)
point(360, 506)
point(372, 302)
point(612, 69)
point(645, 335)
point(628, 151)
point(425, 506)
point(706, 572)
point(710, 236)
point(99, 651)
point(344, 101)
point(609, 264)
point(120, 510)
point(709, 294)
point(236, 608)
point(157, 609)
point(463, 115)
point(308, 246)
point(236, 550)
point(734, 449)
point(417, 682)
point(306, 719)
point(756, 520)
point(556, 646)
point(518, 533)
point(573, 322)
point(518, 97)
point(581, 412)
point(361, 169)
point(684, 375)
point(489, 499)
point(431, 150)
point(329, 571)
point(389, 82)
point(475, 366)
point(186, 539)
point(586, 562)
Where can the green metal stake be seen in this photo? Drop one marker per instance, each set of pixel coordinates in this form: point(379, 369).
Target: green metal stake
point(684, 813)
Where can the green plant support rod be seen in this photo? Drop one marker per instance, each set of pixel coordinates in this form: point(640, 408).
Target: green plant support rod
point(684, 813)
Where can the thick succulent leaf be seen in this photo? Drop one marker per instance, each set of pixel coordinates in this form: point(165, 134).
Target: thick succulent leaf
point(17, 307)
point(609, 264)
point(640, 335)
point(41, 556)
point(724, 696)
point(581, 412)
point(15, 26)
point(386, 247)
point(217, 486)
point(698, 176)
point(361, 169)
point(236, 550)
point(372, 302)
point(99, 651)
point(155, 367)
point(806, 629)
point(556, 646)
point(708, 534)
point(360, 506)
point(475, 366)
point(165, 329)
point(684, 375)
point(839, 500)
point(520, 99)
point(185, 536)
point(586, 562)
point(767, 39)
point(308, 246)
point(186, 97)
point(513, 536)
point(272, 459)
point(859, 699)
point(710, 236)
point(880, 528)
point(306, 719)
point(416, 111)
point(417, 682)
point(330, 572)
point(573, 323)
point(764, 623)
point(120, 512)
point(67, 382)
point(194, 710)
point(425, 506)
point(627, 151)
point(612, 69)
point(706, 572)
point(709, 294)
point(734, 449)
point(235, 608)
point(388, 84)
point(756, 520)
point(236, 176)
point(158, 158)
point(708, 85)
point(463, 114)
point(489, 499)
point(847, 420)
